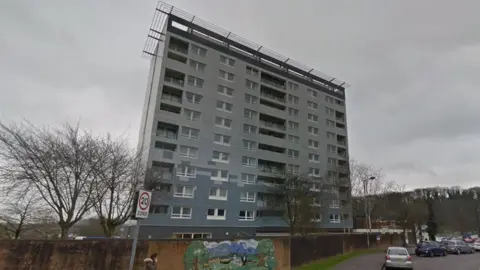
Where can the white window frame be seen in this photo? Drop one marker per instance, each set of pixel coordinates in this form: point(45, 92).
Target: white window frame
point(250, 162)
point(316, 202)
point(223, 157)
point(225, 91)
point(249, 129)
point(312, 93)
point(316, 187)
point(191, 132)
point(293, 139)
point(252, 71)
point(223, 138)
point(215, 215)
point(312, 105)
point(330, 135)
point(245, 178)
point(224, 106)
point(184, 193)
point(217, 195)
point(186, 171)
point(311, 144)
point(195, 81)
point(293, 125)
point(293, 112)
point(313, 131)
point(312, 118)
point(332, 161)
point(190, 114)
point(293, 168)
point(225, 75)
point(248, 196)
point(329, 111)
point(314, 172)
point(193, 98)
point(250, 99)
point(335, 204)
point(330, 123)
point(217, 175)
point(331, 148)
point(251, 85)
point(181, 215)
point(329, 99)
point(334, 218)
point(250, 114)
point(198, 66)
point(223, 120)
point(315, 158)
point(293, 86)
point(197, 50)
point(292, 99)
point(293, 153)
point(249, 145)
point(246, 217)
point(191, 152)
point(228, 61)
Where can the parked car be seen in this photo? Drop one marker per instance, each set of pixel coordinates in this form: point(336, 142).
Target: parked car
point(458, 247)
point(430, 249)
point(476, 245)
point(398, 258)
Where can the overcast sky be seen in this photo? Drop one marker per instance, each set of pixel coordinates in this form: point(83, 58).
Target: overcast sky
point(414, 104)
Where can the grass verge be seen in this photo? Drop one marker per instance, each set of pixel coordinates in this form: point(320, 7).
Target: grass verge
point(329, 263)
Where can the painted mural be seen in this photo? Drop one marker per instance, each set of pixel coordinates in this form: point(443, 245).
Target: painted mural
point(228, 255)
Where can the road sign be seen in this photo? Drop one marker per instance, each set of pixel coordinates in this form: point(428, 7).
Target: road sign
point(143, 204)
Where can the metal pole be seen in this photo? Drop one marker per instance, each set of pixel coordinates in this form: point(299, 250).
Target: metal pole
point(365, 183)
point(134, 245)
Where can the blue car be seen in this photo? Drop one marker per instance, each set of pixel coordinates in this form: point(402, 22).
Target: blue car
point(430, 249)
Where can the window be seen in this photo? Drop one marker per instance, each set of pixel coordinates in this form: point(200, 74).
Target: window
point(224, 106)
point(312, 118)
point(334, 190)
point(183, 191)
point(186, 151)
point(312, 93)
point(191, 115)
point(246, 215)
point(226, 91)
point(247, 196)
point(292, 86)
point(318, 217)
point(227, 61)
point(193, 98)
point(194, 81)
point(334, 218)
point(330, 123)
point(316, 202)
point(186, 171)
point(252, 71)
point(293, 153)
point(314, 158)
point(293, 169)
point(332, 161)
point(219, 175)
point(220, 157)
point(251, 85)
point(216, 214)
point(197, 65)
point(248, 178)
point(293, 112)
point(313, 144)
point(331, 148)
point(198, 50)
point(313, 130)
point(222, 139)
point(335, 204)
point(293, 139)
point(330, 135)
point(223, 122)
point(218, 194)
point(181, 212)
point(339, 102)
point(329, 111)
point(249, 145)
point(192, 235)
point(312, 105)
point(314, 172)
point(249, 162)
point(250, 99)
point(329, 99)
point(249, 113)
point(316, 187)
point(226, 75)
point(191, 133)
point(292, 125)
point(293, 99)
point(249, 129)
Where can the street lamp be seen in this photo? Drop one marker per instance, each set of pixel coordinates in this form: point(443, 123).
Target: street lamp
point(367, 208)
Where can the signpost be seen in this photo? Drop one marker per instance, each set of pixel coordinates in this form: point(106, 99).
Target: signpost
point(141, 208)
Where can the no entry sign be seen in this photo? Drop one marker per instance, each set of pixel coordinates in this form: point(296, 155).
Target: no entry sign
point(143, 204)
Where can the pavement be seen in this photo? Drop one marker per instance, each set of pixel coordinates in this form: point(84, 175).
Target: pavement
point(450, 262)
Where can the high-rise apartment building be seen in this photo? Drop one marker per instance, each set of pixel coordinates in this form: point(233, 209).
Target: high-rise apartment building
point(223, 120)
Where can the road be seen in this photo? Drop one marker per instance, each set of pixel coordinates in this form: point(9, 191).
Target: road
point(450, 262)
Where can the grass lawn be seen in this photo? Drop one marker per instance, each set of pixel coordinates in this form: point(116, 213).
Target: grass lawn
point(329, 263)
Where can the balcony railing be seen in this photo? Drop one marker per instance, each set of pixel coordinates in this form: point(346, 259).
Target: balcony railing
point(174, 81)
point(175, 99)
point(272, 170)
point(342, 154)
point(178, 49)
point(272, 125)
point(272, 83)
point(340, 119)
point(341, 142)
point(342, 168)
point(273, 97)
point(167, 134)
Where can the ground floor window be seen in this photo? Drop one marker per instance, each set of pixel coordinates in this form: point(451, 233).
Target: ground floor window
point(191, 235)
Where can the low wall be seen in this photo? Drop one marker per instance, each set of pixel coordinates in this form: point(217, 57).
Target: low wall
point(280, 253)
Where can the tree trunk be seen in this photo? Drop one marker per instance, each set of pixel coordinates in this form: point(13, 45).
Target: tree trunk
point(64, 231)
point(108, 229)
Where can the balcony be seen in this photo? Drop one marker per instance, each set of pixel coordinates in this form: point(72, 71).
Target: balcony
point(342, 152)
point(271, 167)
point(174, 77)
point(274, 81)
point(172, 95)
point(167, 130)
point(268, 201)
point(178, 45)
point(272, 125)
point(271, 122)
point(161, 172)
point(272, 95)
point(170, 108)
point(340, 117)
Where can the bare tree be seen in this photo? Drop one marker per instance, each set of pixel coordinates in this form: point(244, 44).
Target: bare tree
point(18, 212)
point(56, 163)
point(118, 177)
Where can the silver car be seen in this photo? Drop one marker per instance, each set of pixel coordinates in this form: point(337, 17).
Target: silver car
point(398, 258)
